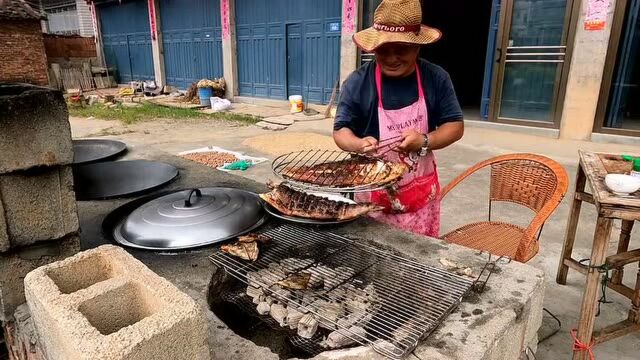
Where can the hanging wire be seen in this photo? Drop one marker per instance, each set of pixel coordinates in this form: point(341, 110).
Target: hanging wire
point(604, 270)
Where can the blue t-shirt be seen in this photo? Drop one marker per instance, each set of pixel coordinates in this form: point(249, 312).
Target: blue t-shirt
point(358, 104)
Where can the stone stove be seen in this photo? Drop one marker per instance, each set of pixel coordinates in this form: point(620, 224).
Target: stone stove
point(497, 324)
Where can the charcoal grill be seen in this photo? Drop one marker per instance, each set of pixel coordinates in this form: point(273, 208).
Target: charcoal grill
point(338, 163)
point(413, 298)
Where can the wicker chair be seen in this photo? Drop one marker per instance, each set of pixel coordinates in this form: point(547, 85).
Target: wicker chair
point(533, 181)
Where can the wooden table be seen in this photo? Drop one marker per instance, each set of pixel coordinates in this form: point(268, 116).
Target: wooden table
point(609, 207)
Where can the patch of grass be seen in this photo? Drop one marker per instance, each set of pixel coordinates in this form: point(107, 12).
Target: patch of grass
point(148, 111)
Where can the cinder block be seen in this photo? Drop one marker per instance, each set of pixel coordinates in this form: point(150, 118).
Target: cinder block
point(35, 128)
point(39, 205)
point(104, 304)
point(16, 265)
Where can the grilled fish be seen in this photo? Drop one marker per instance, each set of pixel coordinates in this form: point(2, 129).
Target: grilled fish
point(246, 251)
point(247, 246)
point(298, 204)
point(296, 281)
point(253, 237)
point(346, 173)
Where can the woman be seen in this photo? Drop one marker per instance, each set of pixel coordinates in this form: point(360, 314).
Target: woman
point(400, 96)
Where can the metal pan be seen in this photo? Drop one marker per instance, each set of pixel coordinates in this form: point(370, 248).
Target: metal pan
point(95, 150)
point(108, 180)
point(178, 220)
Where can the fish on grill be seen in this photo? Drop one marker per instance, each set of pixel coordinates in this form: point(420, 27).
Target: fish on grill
point(355, 171)
point(299, 204)
point(253, 237)
point(247, 246)
point(298, 281)
point(246, 251)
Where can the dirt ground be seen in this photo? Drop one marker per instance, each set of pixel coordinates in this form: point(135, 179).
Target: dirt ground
point(466, 204)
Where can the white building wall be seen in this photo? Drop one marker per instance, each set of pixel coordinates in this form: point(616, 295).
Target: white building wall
point(84, 18)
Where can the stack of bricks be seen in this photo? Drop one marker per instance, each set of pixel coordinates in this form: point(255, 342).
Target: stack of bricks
point(38, 216)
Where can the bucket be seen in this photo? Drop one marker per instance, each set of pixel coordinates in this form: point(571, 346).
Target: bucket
point(296, 103)
point(205, 95)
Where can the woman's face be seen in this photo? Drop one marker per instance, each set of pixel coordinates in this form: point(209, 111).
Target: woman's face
point(397, 59)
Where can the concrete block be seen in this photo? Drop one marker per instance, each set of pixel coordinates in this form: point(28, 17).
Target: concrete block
point(16, 265)
point(35, 128)
point(39, 205)
point(104, 304)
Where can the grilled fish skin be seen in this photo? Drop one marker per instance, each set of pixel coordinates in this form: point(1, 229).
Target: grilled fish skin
point(298, 204)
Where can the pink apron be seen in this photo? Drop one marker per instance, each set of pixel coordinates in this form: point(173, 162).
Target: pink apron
point(414, 203)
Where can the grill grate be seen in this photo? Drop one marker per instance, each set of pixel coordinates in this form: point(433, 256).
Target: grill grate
point(412, 298)
point(336, 171)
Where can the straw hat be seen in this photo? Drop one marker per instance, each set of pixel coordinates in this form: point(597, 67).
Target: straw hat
point(396, 21)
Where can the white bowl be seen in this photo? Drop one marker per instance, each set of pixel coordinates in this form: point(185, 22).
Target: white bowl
point(622, 184)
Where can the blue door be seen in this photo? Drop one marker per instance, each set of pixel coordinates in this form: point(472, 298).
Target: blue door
point(294, 59)
point(268, 33)
point(192, 41)
point(126, 39)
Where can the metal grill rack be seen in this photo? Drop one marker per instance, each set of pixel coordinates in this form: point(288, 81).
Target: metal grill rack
point(412, 299)
point(341, 171)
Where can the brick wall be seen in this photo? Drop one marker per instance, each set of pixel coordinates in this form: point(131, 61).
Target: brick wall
point(22, 52)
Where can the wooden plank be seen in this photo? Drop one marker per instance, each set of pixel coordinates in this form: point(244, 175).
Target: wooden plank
point(619, 288)
point(615, 331)
point(621, 259)
point(575, 265)
point(572, 226)
point(590, 295)
point(623, 246)
point(595, 171)
point(620, 213)
point(583, 196)
point(634, 313)
point(327, 113)
point(622, 290)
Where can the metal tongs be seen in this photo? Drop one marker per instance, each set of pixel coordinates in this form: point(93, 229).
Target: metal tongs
point(391, 144)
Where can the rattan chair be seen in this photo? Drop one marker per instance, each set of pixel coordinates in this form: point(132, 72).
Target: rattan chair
point(533, 181)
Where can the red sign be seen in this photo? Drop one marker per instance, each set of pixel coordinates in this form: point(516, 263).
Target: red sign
point(349, 16)
point(596, 16)
point(226, 21)
point(152, 18)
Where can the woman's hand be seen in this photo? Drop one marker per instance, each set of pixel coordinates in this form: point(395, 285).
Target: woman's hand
point(368, 144)
point(412, 141)
point(348, 141)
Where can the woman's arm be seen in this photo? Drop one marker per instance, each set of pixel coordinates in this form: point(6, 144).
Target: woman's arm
point(446, 134)
point(348, 141)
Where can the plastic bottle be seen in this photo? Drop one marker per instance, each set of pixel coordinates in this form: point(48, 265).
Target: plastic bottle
point(636, 168)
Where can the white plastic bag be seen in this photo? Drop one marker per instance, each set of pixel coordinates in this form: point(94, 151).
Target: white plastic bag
point(218, 104)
